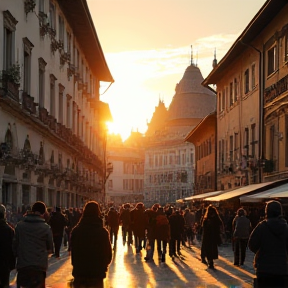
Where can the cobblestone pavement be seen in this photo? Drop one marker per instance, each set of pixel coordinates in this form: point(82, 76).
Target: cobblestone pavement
point(129, 270)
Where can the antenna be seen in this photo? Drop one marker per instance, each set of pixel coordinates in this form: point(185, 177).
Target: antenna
point(192, 61)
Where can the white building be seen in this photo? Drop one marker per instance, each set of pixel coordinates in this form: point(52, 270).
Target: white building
point(51, 117)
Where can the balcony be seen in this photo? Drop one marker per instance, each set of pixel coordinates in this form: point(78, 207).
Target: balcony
point(28, 103)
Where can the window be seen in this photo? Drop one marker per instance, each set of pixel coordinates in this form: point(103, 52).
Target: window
point(235, 89)
point(41, 5)
point(246, 143)
point(110, 184)
point(236, 143)
point(61, 29)
point(253, 140)
point(68, 35)
point(219, 102)
point(8, 45)
point(253, 76)
point(231, 94)
point(52, 95)
point(246, 81)
point(271, 60)
point(60, 108)
point(27, 64)
point(68, 110)
point(52, 16)
point(223, 100)
point(231, 148)
point(42, 64)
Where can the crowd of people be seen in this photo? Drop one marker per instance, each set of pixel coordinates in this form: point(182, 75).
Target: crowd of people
point(91, 234)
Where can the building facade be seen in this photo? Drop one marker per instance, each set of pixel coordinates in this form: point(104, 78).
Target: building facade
point(126, 182)
point(51, 118)
point(204, 138)
point(169, 160)
point(251, 82)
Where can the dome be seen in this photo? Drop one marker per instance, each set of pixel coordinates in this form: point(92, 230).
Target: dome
point(191, 100)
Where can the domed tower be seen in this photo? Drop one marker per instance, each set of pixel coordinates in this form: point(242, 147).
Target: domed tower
point(191, 102)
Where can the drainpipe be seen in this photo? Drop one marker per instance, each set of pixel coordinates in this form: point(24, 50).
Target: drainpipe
point(261, 106)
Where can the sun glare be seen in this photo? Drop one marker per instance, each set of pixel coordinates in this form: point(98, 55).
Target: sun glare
point(117, 128)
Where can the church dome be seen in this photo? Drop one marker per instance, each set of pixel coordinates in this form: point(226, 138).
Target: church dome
point(191, 100)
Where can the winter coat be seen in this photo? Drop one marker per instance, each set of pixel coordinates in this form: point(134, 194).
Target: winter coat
point(32, 242)
point(7, 258)
point(139, 222)
point(151, 223)
point(91, 251)
point(211, 228)
point(113, 218)
point(189, 219)
point(162, 231)
point(269, 242)
point(177, 223)
point(57, 222)
point(125, 217)
point(242, 227)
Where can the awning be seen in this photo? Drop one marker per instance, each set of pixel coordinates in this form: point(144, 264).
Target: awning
point(204, 195)
point(238, 192)
point(276, 192)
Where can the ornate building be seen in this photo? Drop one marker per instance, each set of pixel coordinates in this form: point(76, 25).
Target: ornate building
point(169, 160)
point(52, 131)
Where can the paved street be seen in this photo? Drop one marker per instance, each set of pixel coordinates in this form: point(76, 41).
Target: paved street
point(129, 270)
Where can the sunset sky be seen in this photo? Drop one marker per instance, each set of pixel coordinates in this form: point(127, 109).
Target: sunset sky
point(146, 44)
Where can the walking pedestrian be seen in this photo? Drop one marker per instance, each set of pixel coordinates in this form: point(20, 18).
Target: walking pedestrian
point(269, 242)
point(162, 233)
point(241, 230)
point(91, 251)
point(177, 222)
point(58, 222)
point(7, 259)
point(151, 226)
point(139, 224)
point(211, 238)
point(32, 244)
point(113, 225)
point(189, 218)
point(125, 220)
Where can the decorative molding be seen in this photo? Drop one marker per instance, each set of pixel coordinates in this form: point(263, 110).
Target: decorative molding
point(9, 21)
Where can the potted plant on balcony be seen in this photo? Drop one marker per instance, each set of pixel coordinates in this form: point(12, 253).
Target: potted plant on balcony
point(10, 79)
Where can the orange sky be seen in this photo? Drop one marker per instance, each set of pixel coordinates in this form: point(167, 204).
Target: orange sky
point(146, 44)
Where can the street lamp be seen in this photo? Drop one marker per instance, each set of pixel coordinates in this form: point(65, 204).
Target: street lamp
point(108, 169)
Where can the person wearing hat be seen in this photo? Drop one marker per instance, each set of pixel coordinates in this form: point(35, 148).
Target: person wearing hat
point(32, 244)
point(241, 227)
point(91, 249)
point(7, 259)
point(269, 242)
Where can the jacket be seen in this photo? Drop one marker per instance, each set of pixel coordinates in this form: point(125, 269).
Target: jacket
point(7, 259)
point(32, 242)
point(269, 242)
point(91, 251)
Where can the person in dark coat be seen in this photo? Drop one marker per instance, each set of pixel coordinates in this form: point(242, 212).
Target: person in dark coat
point(91, 250)
point(177, 223)
point(241, 230)
point(125, 220)
point(139, 224)
point(162, 233)
point(211, 227)
point(151, 227)
point(269, 242)
point(57, 222)
point(7, 258)
point(113, 224)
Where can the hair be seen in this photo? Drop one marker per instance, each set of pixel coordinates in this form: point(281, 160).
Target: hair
point(91, 209)
point(2, 211)
point(211, 211)
point(241, 212)
point(39, 207)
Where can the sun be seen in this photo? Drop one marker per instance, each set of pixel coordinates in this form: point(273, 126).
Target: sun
point(118, 128)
